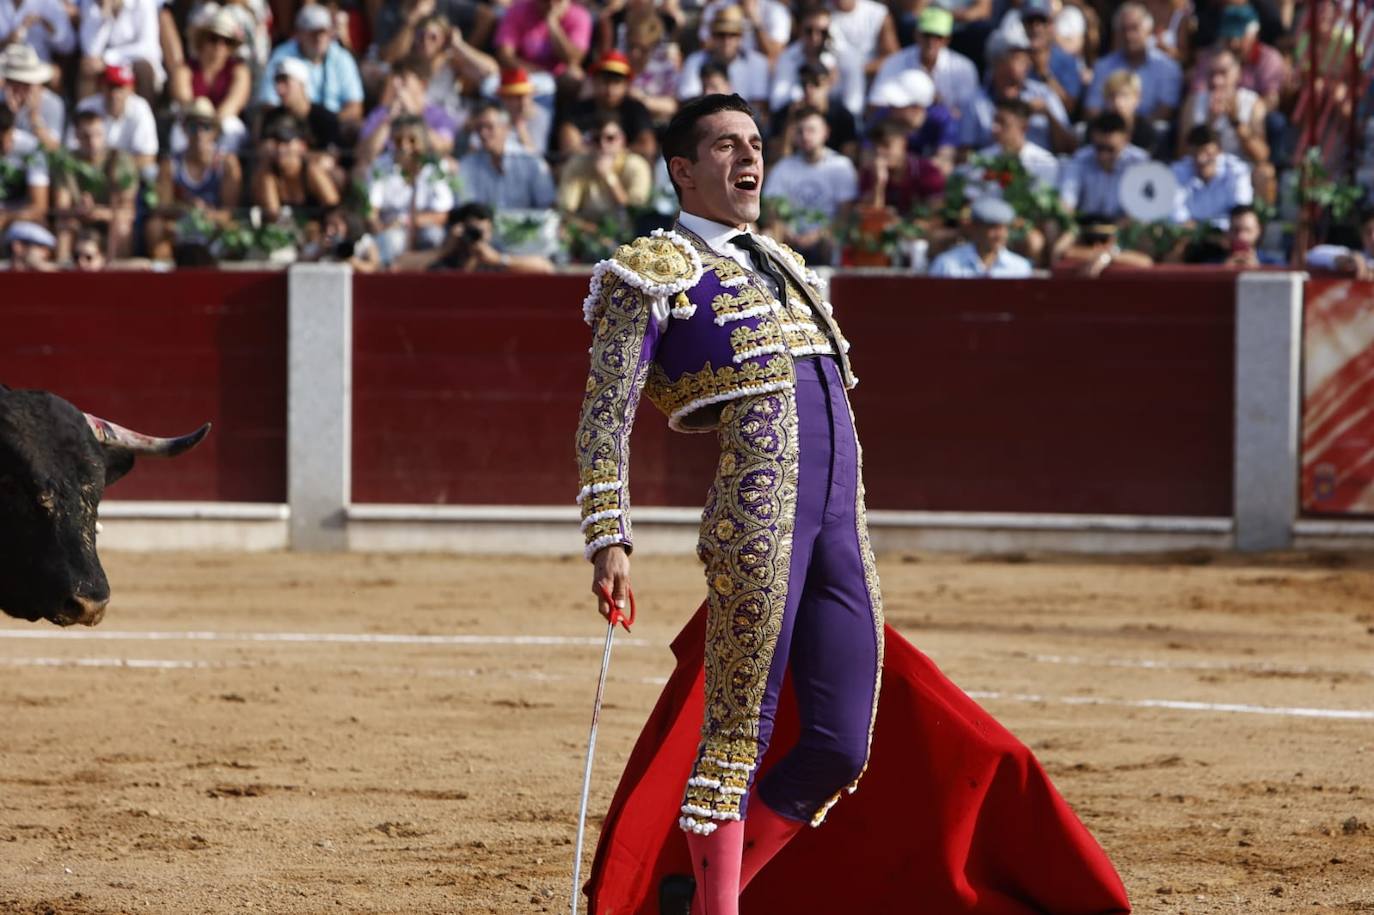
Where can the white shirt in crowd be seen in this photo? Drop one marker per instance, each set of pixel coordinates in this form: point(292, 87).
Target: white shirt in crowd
point(62, 38)
point(1039, 162)
point(391, 192)
point(963, 262)
point(135, 133)
point(1324, 257)
point(777, 21)
point(25, 154)
point(822, 186)
point(854, 34)
point(848, 88)
point(748, 75)
point(131, 34)
point(1227, 137)
point(955, 76)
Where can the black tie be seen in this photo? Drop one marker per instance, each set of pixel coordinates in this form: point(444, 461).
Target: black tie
point(765, 262)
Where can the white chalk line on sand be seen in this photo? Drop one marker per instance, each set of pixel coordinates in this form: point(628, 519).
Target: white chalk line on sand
point(347, 638)
point(539, 676)
point(1254, 667)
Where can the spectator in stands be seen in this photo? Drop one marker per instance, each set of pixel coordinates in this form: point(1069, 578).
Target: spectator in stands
point(287, 177)
point(1050, 64)
point(1211, 182)
point(610, 95)
point(1238, 246)
point(1121, 93)
point(129, 123)
point(813, 47)
point(1174, 26)
point(985, 254)
point(614, 20)
point(1071, 36)
point(715, 79)
point(410, 196)
point(31, 248)
point(204, 178)
point(1237, 115)
point(124, 33)
point(1263, 69)
point(470, 247)
point(545, 36)
point(318, 126)
point(530, 122)
point(818, 181)
point(895, 177)
point(24, 180)
point(748, 70)
point(767, 24)
point(605, 181)
point(842, 127)
point(909, 99)
point(422, 26)
point(863, 34)
point(1161, 79)
point(447, 63)
point(37, 109)
point(1010, 64)
point(334, 79)
point(99, 187)
point(655, 63)
point(404, 97)
point(499, 176)
point(43, 26)
point(1091, 181)
point(216, 72)
point(1009, 126)
point(973, 23)
point(1093, 250)
point(343, 240)
point(88, 251)
point(1338, 260)
point(955, 76)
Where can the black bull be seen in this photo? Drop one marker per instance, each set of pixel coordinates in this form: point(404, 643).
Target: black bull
point(55, 463)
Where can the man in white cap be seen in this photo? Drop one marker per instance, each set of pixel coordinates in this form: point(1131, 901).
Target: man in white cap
point(129, 123)
point(31, 247)
point(909, 99)
point(37, 109)
point(955, 76)
point(42, 25)
point(124, 33)
point(335, 81)
point(291, 79)
point(986, 255)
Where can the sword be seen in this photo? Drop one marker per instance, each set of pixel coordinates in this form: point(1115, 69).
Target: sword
point(615, 617)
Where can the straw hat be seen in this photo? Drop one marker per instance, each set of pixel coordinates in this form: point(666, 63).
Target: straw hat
point(202, 110)
point(222, 23)
point(728, 21)
point(22, 65)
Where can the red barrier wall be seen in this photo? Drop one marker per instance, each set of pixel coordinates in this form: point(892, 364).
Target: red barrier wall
point(1109, 395)
point(163, 353)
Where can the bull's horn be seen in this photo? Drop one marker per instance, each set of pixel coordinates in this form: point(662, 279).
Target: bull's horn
point(112, 435)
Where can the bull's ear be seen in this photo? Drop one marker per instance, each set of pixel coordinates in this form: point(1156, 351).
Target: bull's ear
point(118, 461)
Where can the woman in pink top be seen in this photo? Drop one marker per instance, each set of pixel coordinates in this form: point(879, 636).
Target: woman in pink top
point(547, 35)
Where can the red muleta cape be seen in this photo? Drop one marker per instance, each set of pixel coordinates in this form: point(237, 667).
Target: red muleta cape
point(953, 816)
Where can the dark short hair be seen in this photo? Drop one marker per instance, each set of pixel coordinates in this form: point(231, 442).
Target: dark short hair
point(86, 115)
point(1107, 122)
point(407, 66)
point(483, 105)
point(1014, 106)
point(886, 131)
point(1092, 228)
point(90, 234)
point(1201, 135)
point(1366, 214)
point(713, 68)
point(602, 119)
point(1241, 209)
point(802, 112)
point(470, 210)
point(813, 71)
point(682, 136)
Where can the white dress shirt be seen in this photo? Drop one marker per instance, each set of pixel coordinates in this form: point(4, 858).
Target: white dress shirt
point(134, 133)
point(133, 33)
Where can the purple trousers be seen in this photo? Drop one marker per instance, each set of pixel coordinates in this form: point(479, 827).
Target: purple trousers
point(829, 640)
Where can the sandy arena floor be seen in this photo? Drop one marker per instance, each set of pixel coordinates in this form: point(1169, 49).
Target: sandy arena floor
point(166, 762)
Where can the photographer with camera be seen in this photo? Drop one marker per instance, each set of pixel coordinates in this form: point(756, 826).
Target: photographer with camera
point(468, 246)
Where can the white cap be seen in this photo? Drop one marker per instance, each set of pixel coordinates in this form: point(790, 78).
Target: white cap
point(313, 17)
point(295, 68)
point(32, 233)
point(1070, 23)
point(910, 87)
point(1010, 36)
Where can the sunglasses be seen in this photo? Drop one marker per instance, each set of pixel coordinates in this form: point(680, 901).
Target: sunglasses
point(199, 127)
point(220, 39)
point(611, 136)
point(87, 257)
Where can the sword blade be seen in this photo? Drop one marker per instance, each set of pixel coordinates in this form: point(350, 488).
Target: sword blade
point(587, 772)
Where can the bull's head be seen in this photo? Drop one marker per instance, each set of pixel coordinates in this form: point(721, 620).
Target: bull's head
point(55, 463)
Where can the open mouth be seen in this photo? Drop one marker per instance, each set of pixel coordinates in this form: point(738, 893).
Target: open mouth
point(747, 183)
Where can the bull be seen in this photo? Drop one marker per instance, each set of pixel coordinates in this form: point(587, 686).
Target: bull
point(55, 462)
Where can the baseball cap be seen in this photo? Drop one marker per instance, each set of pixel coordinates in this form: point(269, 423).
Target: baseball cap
point(119, 74)
point(294, 68)
point(31, 233)
point(935, 20)
point(1236, 21)
point(910, 87)
point(313, 18)
point(515, 81)
point(992, 211)
point(1011, 36)
point(615, 63)
point(1036, 9)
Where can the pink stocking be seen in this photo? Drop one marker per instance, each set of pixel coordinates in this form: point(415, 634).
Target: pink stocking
point(765, 833)
point(716, 864)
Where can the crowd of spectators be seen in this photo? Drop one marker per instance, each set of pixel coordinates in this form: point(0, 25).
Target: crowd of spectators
point(963, 137)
